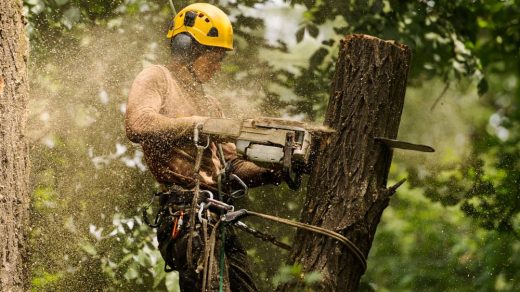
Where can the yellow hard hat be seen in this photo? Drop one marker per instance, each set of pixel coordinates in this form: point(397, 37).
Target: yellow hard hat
point(206, 23)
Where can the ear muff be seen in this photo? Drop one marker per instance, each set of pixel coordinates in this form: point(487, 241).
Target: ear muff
point(182, 46)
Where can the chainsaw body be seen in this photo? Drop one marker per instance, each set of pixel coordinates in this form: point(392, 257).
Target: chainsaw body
point(268, 141)
point(263, 140)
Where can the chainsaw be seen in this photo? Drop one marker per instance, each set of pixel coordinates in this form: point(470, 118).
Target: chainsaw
point(268, 141)
point(293, 144)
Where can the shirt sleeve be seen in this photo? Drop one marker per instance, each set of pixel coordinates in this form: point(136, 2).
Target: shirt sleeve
point(143, 120)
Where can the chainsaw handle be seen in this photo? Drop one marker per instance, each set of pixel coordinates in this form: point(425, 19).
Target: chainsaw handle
point(293, 183)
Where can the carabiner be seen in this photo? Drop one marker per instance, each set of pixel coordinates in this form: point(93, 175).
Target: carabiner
point(220, 205)
point(238, 193)
point(196, 130)
point(201, 209)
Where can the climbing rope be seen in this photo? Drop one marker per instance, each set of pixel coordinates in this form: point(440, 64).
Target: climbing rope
point(233, 216)
point(261, 235)
point(222, 254)
point(194, 202)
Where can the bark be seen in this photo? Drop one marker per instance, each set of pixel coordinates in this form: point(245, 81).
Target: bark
point(14, 163)
point(347, 189)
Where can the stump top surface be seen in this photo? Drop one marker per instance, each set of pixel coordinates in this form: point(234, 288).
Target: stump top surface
point(353, 37)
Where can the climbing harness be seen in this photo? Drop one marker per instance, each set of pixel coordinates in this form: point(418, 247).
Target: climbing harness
point(231, 217)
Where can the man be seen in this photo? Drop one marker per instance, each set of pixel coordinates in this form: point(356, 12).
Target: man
point(165, 104)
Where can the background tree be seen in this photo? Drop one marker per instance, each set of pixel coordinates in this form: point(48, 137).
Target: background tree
point(14, 160)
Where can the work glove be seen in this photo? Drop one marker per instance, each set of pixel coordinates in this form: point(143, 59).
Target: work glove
point(272, 176)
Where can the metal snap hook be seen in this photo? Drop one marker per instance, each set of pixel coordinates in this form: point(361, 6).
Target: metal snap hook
point(238, 193)
point(201, 209)
point(196, 132)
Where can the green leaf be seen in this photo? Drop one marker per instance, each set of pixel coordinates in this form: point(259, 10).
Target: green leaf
point(131, 273)
point(312, 277)
point(160, 275)
point(61, 2)
point(33, 2)
point(88, 248)
point(172, 282)
point(313, 30)
point(71, 17)
point(482, 86)
point(299, 34)
point(44, 279)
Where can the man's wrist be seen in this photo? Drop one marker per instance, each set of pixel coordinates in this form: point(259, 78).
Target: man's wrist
point(271, 176)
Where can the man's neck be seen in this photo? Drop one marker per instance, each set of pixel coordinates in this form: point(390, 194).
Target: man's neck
point(184, 73)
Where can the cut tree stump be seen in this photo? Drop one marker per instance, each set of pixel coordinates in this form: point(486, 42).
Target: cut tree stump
point(347, 190)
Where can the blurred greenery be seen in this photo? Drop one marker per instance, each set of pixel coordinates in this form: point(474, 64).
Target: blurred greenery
point(454, 227)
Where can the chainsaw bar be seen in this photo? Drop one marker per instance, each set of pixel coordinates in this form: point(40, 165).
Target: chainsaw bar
point(392, 143)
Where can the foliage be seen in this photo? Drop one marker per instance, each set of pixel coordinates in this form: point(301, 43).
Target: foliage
point(138, 265)
point(451, 40)
point(294, 273)
point(447, 253)
point(437, 32)
point(84, 169)
point(87, 177)
point(56, 15)
point(487, 181)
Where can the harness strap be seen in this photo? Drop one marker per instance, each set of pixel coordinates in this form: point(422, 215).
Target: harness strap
point(206, 254)
point(222, 255)
point(145, 214)
point(212, 243)
point(198, 159)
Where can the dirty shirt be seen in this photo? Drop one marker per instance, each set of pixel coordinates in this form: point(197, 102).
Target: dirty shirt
point(164, 106)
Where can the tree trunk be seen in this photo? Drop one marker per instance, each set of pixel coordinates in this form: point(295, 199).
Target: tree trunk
point(14, 162)
point(347, 189)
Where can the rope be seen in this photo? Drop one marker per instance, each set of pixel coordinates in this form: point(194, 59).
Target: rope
point(332, 234)
point(206, 253)
point(222, 253)
point(198, 159)
point(212, 241)
point(173, 8)
point(261, 235)
point(222, 172)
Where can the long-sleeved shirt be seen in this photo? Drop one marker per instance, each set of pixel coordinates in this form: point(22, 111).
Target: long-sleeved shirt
point(164, 105)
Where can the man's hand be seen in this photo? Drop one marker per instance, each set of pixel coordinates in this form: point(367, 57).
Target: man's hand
point(272, 176)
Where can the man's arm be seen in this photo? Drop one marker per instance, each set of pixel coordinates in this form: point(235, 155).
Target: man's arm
point(143, 120)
